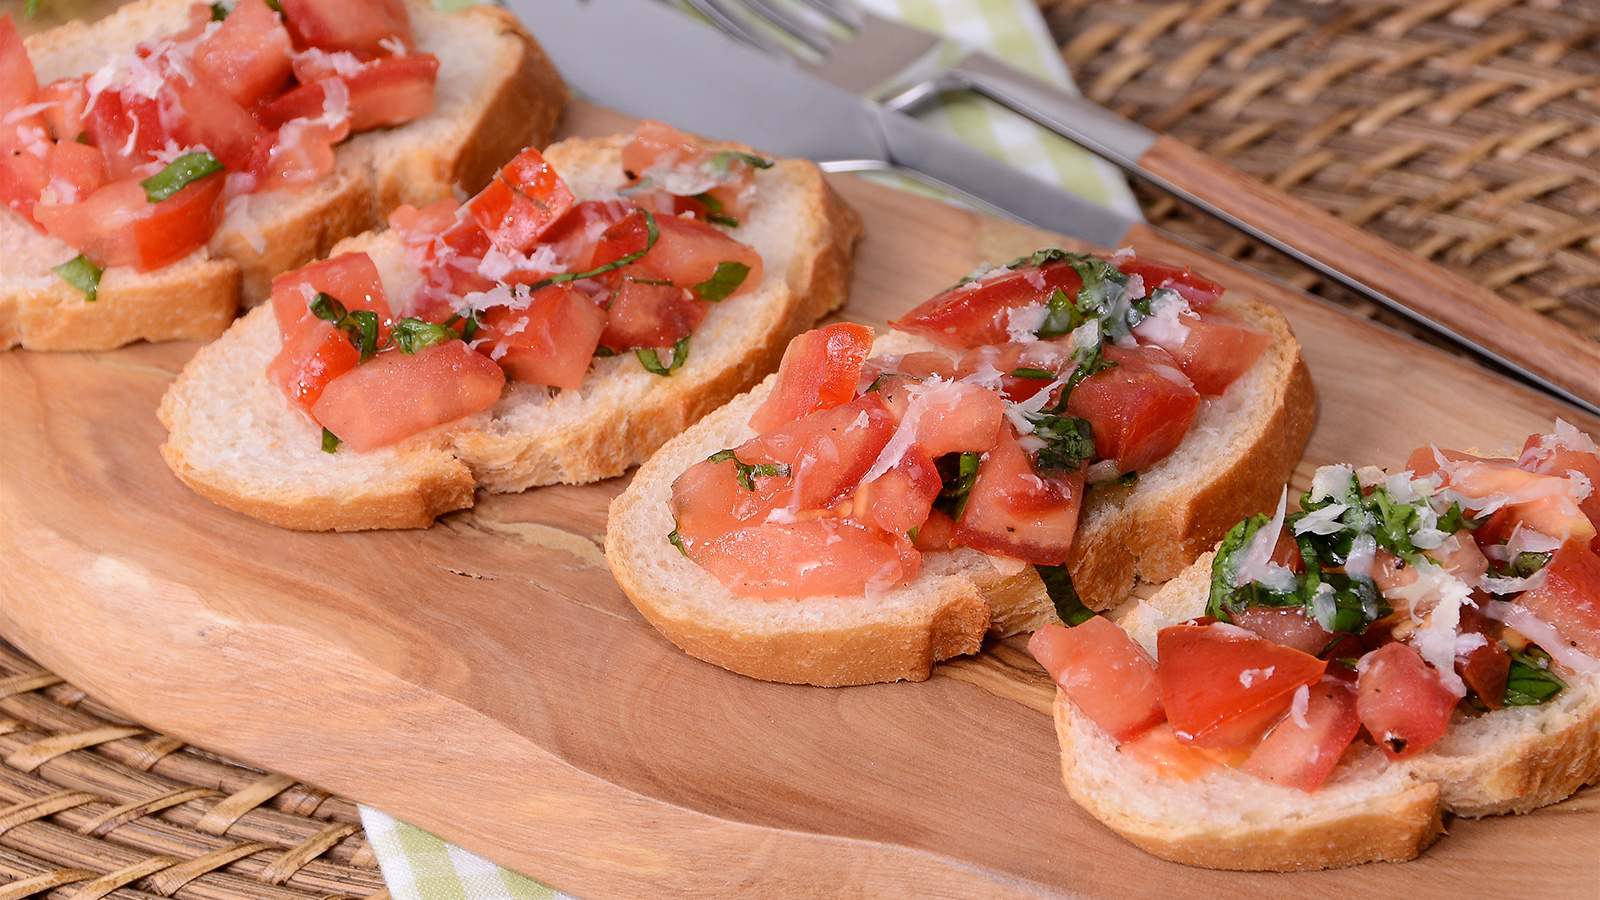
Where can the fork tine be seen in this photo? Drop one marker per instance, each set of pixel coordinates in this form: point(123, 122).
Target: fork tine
point(786, 21)
point(734, 26)
point(842, 11)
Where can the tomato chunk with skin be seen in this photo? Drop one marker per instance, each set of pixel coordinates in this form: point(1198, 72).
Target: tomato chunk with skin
point(1547, 455)
point(980, 312)
point(19, 86)
point(350, 278)
point(201, 114)
point(1302, 750)
point(1161, 750)
point(947, 417)
point(1483, 668)
point(396, 395)
point(1543, 502)
point(686, 253)
point(900, 499)
point(820, 370)
point(812, 558)
point(521, 203)
point(117, 225)
point(1288, 626)
point(1105, 672)
point(318, 355)
point(550, 341)
point(1140, 409)
point(360, 26)
point(650, 315)
point(248, 55)
point(1214, 348)
point(128, 130)
point(1200, 292)
point(1224, 686)
point(1402, 701)
point(1014, 511)
point(67, 97)
point(1569, 598)
point(827, 452)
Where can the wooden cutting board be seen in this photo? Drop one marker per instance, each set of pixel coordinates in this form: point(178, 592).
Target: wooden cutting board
point(487, 680)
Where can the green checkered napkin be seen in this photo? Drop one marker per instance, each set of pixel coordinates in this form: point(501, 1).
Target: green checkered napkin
point(419, 866)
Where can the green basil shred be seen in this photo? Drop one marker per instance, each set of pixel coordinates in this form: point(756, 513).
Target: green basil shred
point(1058, 584)
point(360, 326)
point(724, 281)
point(179, 174)
point(651, 360)
point(958, 471)
point(1530, 681)
point(330, 441)
point(411, 335)
point(652, 234)
point(747, 473)
point(676, 539)
point(81, 274)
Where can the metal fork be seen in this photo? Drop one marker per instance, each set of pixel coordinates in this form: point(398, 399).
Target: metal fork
point(903, 67)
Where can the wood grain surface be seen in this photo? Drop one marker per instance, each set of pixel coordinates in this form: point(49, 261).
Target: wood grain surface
point(486, 679)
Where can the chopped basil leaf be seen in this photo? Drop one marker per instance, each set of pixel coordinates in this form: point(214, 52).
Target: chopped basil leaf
point(179, 174)
point(361, 326)
point(876, 383)
point(1036, 374)
point(1530, 682)
point(912, 534)
point(651, 360)
point(712, 204)
point(603, 351)
point(1525, 565)
point(747, 473)
point(724, 281)
point(330, 441)
point(1058, 584)
point(724, 221)
point(411, 335)
point(218, 12)
point(958, 471)
point(652, 234)
point(720, 165)
point(31, 10)
point(81, 274)
point(676, 539)
point(275, 6)
point(1069, 442)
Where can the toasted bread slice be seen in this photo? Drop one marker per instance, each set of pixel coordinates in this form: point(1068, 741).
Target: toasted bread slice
point(235, 439)
point(1255, 430)
point(1510, 760)
point(496, 93)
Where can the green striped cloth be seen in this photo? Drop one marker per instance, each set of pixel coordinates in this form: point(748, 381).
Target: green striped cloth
point(419, 866)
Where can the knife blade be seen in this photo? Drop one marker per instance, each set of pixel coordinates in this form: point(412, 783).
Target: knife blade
point(660, 64)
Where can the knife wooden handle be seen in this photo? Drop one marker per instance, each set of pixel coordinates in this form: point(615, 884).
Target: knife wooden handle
point(1520, 336)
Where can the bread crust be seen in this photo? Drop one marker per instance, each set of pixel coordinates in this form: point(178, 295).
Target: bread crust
point(960, 596)
point(1513, 760)
point(197, 297)
point(530, 437)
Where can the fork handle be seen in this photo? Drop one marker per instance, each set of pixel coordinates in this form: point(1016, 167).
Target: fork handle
point(1545, 351)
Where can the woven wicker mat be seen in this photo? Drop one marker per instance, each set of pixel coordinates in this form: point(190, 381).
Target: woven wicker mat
point(1465, 130)
point(92, 805)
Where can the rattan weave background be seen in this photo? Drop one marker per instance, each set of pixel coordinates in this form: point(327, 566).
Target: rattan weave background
point(92, 805)
point(1465, 130)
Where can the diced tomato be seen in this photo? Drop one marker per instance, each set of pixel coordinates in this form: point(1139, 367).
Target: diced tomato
point(127, 130)
point(650, 315)
point(549, 341)
point(429, 221)
point(1484, 668)
point(1546, 455)
point(979, 312)
point(350, 278)
point(901, 498)
point(318, 355)
point(301, 153)
point(23, 177)
point(396, 395)
point(657, 145)
point(1161, 750)
point(1140, 409)
point(64, 118)
point(1014, 511)
point(1545, 503)
point(1287, 626)
point(708, 500)
point(575, 236)
point(117, 225)
point(521, 203)
point(248, 55)
point(1200, 292)
point(1214, 348)
point(935, 533)
point(1302, 750)
point(360, 26)
point(812, 558)
point(1102, 670)
point(1569, 598)
point(1224, 686)
point(199, 113)
point(1402, 702)
point(686, 253)
point(820, 370)
point(1040, 362)
point(921, 365)
point(828, 452)
point(19, 86)
point(947, 417)
point(392, 90)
